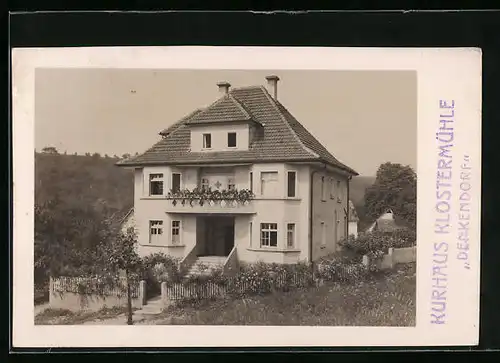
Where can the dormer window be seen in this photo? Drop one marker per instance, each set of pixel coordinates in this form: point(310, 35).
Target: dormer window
point(207, 141)
point(231, 139)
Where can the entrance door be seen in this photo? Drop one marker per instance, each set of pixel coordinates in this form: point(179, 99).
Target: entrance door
point(219, 236)
point(228, 239)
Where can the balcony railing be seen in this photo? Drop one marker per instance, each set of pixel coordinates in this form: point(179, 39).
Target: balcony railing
point(201, 200)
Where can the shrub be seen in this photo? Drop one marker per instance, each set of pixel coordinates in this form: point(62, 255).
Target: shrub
point(340, 270)
point(159, 267)
point(261, 278)
point(373, 243)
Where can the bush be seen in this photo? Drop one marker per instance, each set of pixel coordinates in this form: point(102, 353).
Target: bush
point(376, 242)
point(340, 270)
point(157, 268)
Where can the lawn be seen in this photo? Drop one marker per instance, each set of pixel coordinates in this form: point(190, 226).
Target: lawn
point(67, 317)
point(385, 299)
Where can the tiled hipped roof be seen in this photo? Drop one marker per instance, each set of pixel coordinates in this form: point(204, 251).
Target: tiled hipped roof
point(279, 136)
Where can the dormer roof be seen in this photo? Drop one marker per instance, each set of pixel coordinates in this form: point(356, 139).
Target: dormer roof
point(279, 136)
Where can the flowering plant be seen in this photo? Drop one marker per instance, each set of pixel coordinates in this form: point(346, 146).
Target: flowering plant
point(203, 195)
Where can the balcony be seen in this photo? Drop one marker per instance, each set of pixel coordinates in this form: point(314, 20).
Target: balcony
point(206, 201)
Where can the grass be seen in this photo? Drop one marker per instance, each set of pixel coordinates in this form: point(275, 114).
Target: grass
point(385, 299)
point(68, 317)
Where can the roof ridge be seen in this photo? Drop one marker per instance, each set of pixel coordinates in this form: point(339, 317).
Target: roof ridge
point(180, 122)
point(238, 103)
point(285, 121)
point(244, 88)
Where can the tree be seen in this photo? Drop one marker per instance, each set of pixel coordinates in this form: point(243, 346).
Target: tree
point(395, 188)
point(66, 238)
point(49, 150)
point(125, 156)
point(120, 257)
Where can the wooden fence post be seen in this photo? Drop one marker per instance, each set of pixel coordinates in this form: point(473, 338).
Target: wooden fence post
point(391, 257)
point(51, 289)
point(142, 292)
point(366, 261)
point(164, 296)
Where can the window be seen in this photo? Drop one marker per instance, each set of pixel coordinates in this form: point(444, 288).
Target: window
point(269, 234)
point(155, 231)
point(176, 232)
point(332, 188)
point(292, 176)
point(335, 227)
point(290, 235)
point(176, 182)
point(207, 141)
point(230, 184)
point(204, 184)
point(155, 184)
point(231, 139)
point(339, 190)
point(323, 189)
point(269, 183)
point(323, 234)
point(250, 233)
point(251, 181)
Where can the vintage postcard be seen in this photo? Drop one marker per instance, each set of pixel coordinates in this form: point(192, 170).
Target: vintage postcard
point(246, 197)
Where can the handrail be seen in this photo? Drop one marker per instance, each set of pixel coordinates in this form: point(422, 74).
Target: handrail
point(231, 262)
point(189, 259)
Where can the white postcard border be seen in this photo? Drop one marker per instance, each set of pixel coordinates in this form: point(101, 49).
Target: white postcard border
point(444, 75)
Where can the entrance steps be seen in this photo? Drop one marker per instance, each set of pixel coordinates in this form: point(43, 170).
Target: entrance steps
point(204, 265)
point(153, 306)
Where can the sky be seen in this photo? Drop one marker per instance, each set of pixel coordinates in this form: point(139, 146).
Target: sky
point(364, 118)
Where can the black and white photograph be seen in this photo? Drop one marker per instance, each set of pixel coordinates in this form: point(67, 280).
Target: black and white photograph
point(225, 197)
point(245, 197)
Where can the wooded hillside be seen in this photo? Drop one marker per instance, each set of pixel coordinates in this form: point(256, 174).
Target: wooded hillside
point(74, 197)
point(90, 180)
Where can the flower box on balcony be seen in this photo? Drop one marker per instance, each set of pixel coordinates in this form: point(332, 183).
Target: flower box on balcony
point(211, 197)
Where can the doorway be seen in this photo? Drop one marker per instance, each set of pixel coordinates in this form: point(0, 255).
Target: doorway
point(218, 236)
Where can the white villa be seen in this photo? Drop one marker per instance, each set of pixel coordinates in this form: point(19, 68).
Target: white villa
point(240, 180)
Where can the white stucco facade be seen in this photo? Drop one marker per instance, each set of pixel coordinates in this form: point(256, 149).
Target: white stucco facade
point(272, 206)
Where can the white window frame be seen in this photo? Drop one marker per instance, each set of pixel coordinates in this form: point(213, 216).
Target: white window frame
point(293, 233)
point(266, 229)
point(235, 140)
point(332, 188)
point(287, 183)
point(262, 173)
point(323, 234)
point(204, 183)
point(172, 180)
point(250, 232)
point(323, 189)
point(155, 226)
point(204, 141)
point(177, 228)
point(231, 183)
point(160, 178)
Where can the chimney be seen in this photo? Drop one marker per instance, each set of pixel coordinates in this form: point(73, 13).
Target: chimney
point(272, 85)
point(223, 87)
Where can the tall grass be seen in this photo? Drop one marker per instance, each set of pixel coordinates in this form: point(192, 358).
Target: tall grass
point(386, 299)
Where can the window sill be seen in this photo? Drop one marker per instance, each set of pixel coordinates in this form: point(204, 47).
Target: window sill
point(277, 198)
point(271, 249)
point(160, 245)
point(153, 197)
